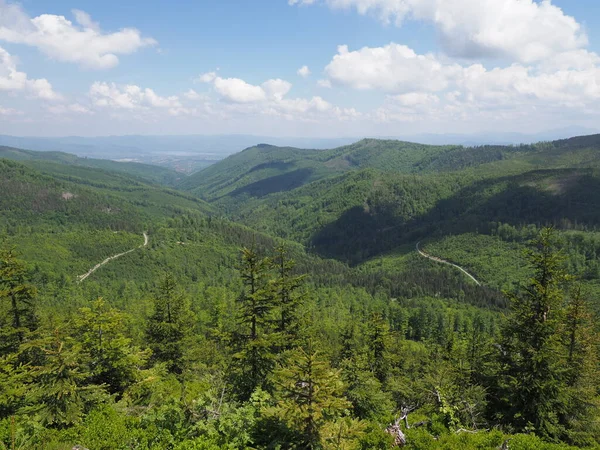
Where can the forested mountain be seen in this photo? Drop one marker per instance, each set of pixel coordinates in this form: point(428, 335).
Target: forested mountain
point(39, 160)
point(265, 169)
point(280, 301)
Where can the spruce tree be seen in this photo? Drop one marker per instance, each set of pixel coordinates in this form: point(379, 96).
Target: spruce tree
point(255, 341)
point(308, 397)
point(59, 394)
point(533, 374)
point(378, 336)
point(170, 327)
point(582, 373)
point(112, 360)
point(17, 316)
point(288, 297)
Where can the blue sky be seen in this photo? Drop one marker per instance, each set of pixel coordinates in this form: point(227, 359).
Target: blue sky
point(375, 67)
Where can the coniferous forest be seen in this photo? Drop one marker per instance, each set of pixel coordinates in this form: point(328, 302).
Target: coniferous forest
point(278, 300)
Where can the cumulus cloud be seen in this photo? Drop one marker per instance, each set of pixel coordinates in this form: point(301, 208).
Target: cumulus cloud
point(13, 80)
point(524, 30)
point(132, 97)
point(270, 98)
point(191, 94)
point(394, 68)
point(428, 86)
point(237, 90)
point(304, 71)
point(82, 42)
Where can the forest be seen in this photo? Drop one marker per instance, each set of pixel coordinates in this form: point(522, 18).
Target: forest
point(281, 304)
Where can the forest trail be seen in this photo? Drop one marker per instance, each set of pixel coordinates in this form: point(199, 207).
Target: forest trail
point(110, 258)
point(443, 261)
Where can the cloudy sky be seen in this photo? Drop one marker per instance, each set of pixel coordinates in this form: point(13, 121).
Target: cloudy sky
point(298, 67)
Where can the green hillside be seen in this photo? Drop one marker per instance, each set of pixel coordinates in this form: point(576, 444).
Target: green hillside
point(273, 178)
point(150, 173)
point(190, 343)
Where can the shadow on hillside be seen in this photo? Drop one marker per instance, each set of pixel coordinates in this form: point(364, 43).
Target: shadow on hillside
point(563, 198)
point(277, 165)
point(278, 183)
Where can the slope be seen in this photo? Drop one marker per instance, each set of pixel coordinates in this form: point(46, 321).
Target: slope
point(149, 173)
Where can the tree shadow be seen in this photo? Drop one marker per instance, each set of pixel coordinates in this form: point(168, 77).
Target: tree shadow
point(277, 183)
point(564, 198)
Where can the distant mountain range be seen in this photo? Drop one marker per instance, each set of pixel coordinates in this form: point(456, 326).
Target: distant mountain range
point(190, 153)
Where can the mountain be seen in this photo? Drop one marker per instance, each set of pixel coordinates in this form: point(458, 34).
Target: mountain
point(376, 198)
point(353, 258)
point(151, 173)
point(185, 153)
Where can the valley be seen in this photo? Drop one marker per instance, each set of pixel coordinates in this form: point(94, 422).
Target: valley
point(393, 266)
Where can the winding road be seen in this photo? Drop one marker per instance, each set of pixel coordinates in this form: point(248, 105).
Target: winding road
point(110, 258)
point(443, 261)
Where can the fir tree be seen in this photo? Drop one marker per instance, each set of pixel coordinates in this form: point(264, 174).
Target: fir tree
point(256, 340)
point(112, 360)
point(533, 371)
point(308, 397)
point(59, 394)
point(581, 345)
point(288, 297)
point(17, 316)
point(170, 327)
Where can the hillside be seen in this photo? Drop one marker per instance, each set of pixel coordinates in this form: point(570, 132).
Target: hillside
point(394, 325)
point(38, 159)
point(260, 171)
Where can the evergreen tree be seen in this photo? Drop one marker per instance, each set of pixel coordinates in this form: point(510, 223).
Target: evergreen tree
point(17, 316)
point(255, 342)
point(378, 336)
point(170, 327)
point(582, 372)
point(112, 359)
point(532, 373)
point(288, 297)
point(308, 397)
point(59, 395)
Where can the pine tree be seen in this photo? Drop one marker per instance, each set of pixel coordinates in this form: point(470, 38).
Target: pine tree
point(581, 345)
point(288, 297)
point(170, 327)
point(112, 359)
point(532, 371)
point(378, 336)
point(59, 394)
point(308, 397)
point(17, 316)
point(255, 342)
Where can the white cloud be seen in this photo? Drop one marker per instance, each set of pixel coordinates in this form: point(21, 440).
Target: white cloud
point(524, 30)
point(425, 87)
point(57, 37)
point(416, 99)
point(192, 95)
point(399, 70)
point(393, 68)
point(73, 108)
point(13, 80)
point(304, 71)
point(238, 91)
point(276, 89)
point(208, 77)
point(269, 98)
point(135, 98)
point(10, 112)
point(324, 84)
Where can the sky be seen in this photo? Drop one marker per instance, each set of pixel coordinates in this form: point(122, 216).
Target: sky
point(318, 68)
